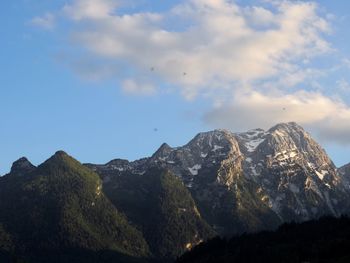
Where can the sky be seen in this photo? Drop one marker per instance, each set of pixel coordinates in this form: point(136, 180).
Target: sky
point(105, 79)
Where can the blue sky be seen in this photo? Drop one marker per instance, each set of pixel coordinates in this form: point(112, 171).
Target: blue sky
point(102, 79)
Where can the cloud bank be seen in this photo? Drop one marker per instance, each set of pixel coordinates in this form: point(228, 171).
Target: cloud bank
point(327, 117)
point(253, 62)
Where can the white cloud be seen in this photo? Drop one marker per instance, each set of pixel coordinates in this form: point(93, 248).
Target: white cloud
point(90, 9)
point(221, 47)
point(46, 21)
point(259, 16)
point(328, 118)
point(253, 62)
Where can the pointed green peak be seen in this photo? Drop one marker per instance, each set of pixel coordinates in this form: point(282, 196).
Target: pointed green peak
point(61, 156)
point(62, 159)
point(60, 153)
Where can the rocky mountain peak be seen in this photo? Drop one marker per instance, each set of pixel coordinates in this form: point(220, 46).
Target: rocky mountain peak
point(287, 126)
point(22, 166)
point(283, 143)
point(212, 144)
point(291, 135)
point(208, 139)
point(163, 151)
point(283, 136)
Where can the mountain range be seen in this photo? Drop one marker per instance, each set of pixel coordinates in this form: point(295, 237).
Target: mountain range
point(156, 208)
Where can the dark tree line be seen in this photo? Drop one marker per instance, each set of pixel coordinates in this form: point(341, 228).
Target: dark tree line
point(324, 240)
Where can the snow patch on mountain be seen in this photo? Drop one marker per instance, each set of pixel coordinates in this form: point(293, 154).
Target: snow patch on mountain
point(321, 174)
point(217, 147)
point(194, 169)
point(252, 139)
point(253, 144)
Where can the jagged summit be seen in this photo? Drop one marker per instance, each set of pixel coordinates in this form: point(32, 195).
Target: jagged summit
point(162, 151)
point(213, 133)
point(165, 146)
point(219, 139)
point(210, 137)
point(211, 143)
point(22, 166)
point(286, 126)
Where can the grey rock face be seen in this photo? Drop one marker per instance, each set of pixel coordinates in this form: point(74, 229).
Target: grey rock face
point(344, 172)
point(250, 181)
point(297, 178)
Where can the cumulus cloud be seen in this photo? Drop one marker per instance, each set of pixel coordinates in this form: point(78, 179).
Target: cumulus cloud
point(328, 118)
point(90, 9)
point(46, 21)
point(222, 45)
point(253, 61)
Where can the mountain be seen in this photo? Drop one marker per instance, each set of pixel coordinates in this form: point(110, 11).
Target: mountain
point(160, 204)
point(58, 212)
point(156, 208)
point(246, 182)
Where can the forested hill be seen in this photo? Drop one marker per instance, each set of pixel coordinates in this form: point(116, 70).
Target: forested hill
point(326, 240)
